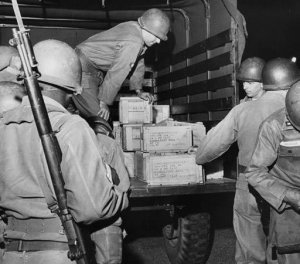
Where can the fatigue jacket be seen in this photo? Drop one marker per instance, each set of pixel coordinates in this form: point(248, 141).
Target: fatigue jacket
point(274, 167)
point(118, 52)
point(91, 196)
point(9, 74)
point(275, 163)
point(241, 124)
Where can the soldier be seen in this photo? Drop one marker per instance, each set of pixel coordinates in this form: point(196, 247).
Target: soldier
point(241, 125)
point(274, 172)
point(250, 73)
point(10, 64)
point(11, 95)
point(119, 53)
point(34, 234)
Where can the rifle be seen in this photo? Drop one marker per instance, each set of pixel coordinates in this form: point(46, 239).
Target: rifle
point(21, 40)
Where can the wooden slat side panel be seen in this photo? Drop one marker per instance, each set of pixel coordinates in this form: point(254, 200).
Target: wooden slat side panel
point(204, 106)
point(199, 48)
point(198, 68)
point(197, 88)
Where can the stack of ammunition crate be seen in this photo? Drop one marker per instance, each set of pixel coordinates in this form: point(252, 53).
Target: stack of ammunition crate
point(155, 146)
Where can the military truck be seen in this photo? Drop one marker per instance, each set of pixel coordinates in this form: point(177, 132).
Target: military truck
point(194, 72)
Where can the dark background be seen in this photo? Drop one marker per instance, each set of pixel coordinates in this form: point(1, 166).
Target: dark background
point(273, 27)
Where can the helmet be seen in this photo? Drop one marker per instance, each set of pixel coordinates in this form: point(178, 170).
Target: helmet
point(6, 52)
point(280, 74)
point(58, 64)
point(292, 104)
point(251, 69)
point(156, 22)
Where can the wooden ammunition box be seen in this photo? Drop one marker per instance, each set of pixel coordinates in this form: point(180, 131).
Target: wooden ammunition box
point(134, 110)
point(166, 138)
point(132, 137)
point(167, 169)
point(160, 113)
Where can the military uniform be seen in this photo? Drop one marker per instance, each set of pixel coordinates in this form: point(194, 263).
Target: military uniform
point(274, 167)
point(117, 52)
point(242, 124)
point(33, 232)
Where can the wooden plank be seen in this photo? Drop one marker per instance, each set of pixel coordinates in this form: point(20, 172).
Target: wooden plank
point(203, 106)
point(197, 68)
point(199, 48)
point(197, 88)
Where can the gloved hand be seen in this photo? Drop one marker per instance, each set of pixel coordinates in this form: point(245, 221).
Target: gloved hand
point(104, 110)
point(145, 96)
point(292, 197)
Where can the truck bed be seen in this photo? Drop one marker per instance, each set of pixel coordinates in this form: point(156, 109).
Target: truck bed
point(142, 189)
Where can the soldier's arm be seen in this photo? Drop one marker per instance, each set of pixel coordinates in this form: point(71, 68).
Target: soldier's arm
point(125, 59)
point(218, 139)
point(264, 156)
point(91, 195)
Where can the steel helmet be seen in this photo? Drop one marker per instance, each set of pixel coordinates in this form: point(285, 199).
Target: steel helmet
point(292, 104)
point(6, 53)
point(58, 64)
point(280, 74)
point(156, 22)
point(251, 70)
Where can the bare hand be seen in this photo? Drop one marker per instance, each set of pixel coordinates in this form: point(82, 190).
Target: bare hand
point(104, 111)
point(292, 197)
point(145, 96)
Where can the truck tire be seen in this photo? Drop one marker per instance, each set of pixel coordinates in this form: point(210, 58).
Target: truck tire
point(190, 241)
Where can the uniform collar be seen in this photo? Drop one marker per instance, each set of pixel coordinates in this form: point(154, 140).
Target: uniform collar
point(23, 113)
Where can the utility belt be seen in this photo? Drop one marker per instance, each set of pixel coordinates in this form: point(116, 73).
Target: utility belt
point(35, 245)
point(33, 231)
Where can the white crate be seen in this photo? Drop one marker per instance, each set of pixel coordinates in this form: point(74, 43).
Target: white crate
point(166, 138)
point(167, 169)
point(134, 110)
point(132, 137)
point(160, 113)
point(129, 163)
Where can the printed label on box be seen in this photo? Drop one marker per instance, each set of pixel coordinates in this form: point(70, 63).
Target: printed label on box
point(134, 110)
point(166, 139)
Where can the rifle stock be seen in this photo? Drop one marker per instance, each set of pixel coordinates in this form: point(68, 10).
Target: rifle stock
point(50, 144)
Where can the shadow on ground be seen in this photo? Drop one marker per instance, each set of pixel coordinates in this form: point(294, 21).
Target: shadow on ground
point(144, 243)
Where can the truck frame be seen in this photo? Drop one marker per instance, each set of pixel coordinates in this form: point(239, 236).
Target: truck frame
point(194, 72)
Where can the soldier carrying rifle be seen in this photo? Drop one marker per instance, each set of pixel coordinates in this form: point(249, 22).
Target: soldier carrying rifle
point(30, 157)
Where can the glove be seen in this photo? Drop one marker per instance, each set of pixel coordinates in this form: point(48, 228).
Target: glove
point(104, 110)
point(145, 96)
point(292, 197)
